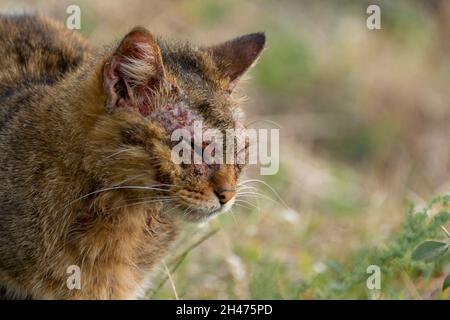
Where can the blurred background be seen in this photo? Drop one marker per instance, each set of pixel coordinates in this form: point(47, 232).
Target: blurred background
point(364, 118)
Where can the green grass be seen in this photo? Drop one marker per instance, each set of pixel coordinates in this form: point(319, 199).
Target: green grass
point(270, 278)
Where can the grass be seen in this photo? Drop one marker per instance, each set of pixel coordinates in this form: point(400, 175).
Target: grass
point(347, 279)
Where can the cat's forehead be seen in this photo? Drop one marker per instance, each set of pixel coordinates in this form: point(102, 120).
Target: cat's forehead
point(181, 115)
point(201, 96)
point(190, 65)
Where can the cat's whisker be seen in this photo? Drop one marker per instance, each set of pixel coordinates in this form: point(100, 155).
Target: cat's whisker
point(260, 195)
point(118, 152)
point(174, 206)
point(268, 186)
point(241, 201)
point(245, 186)
point(188, 210)
point(257, 196)
point(264, 120)
point(240, 205)
point(129, 179)
point(241, 189)
point(135, 204)
point(233, 216)
point(152, 198)
point(248, 203)
point(150, 188)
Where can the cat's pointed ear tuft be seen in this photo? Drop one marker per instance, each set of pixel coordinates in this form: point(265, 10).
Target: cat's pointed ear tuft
point(234, 57)
point(134, 72)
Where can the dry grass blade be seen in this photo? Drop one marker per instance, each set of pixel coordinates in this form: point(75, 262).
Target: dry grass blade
point(176, 261)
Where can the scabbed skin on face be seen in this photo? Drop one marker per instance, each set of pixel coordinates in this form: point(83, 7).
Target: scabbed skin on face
point(86, 175)
point(182, 85)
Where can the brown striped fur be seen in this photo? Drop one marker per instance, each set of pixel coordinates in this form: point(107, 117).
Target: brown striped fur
point(64, 137)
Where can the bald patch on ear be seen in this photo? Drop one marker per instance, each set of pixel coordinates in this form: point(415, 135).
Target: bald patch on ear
point(134, 72)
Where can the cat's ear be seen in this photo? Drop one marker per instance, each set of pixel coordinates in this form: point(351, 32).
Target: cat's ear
point(133, 72)
point(234, 57)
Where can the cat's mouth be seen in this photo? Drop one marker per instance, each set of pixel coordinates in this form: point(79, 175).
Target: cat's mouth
point(202, 202)
point(200, 212)
point(225, 207)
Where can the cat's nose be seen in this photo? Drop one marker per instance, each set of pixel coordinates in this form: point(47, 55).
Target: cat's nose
point(224, 184)
point(225, 195)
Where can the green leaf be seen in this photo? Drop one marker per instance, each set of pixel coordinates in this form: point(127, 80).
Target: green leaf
point(446, 282)
point(429, 251)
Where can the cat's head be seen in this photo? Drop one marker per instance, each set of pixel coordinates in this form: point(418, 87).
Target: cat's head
point(149, 89)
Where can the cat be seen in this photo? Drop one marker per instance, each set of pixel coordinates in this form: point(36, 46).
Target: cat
point(86, 177)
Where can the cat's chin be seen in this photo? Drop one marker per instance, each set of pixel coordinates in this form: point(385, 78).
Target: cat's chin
point(198, 216)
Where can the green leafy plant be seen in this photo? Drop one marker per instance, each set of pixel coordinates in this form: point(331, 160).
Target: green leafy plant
point(446, 282)
point(430, 251)
point(397, 265)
